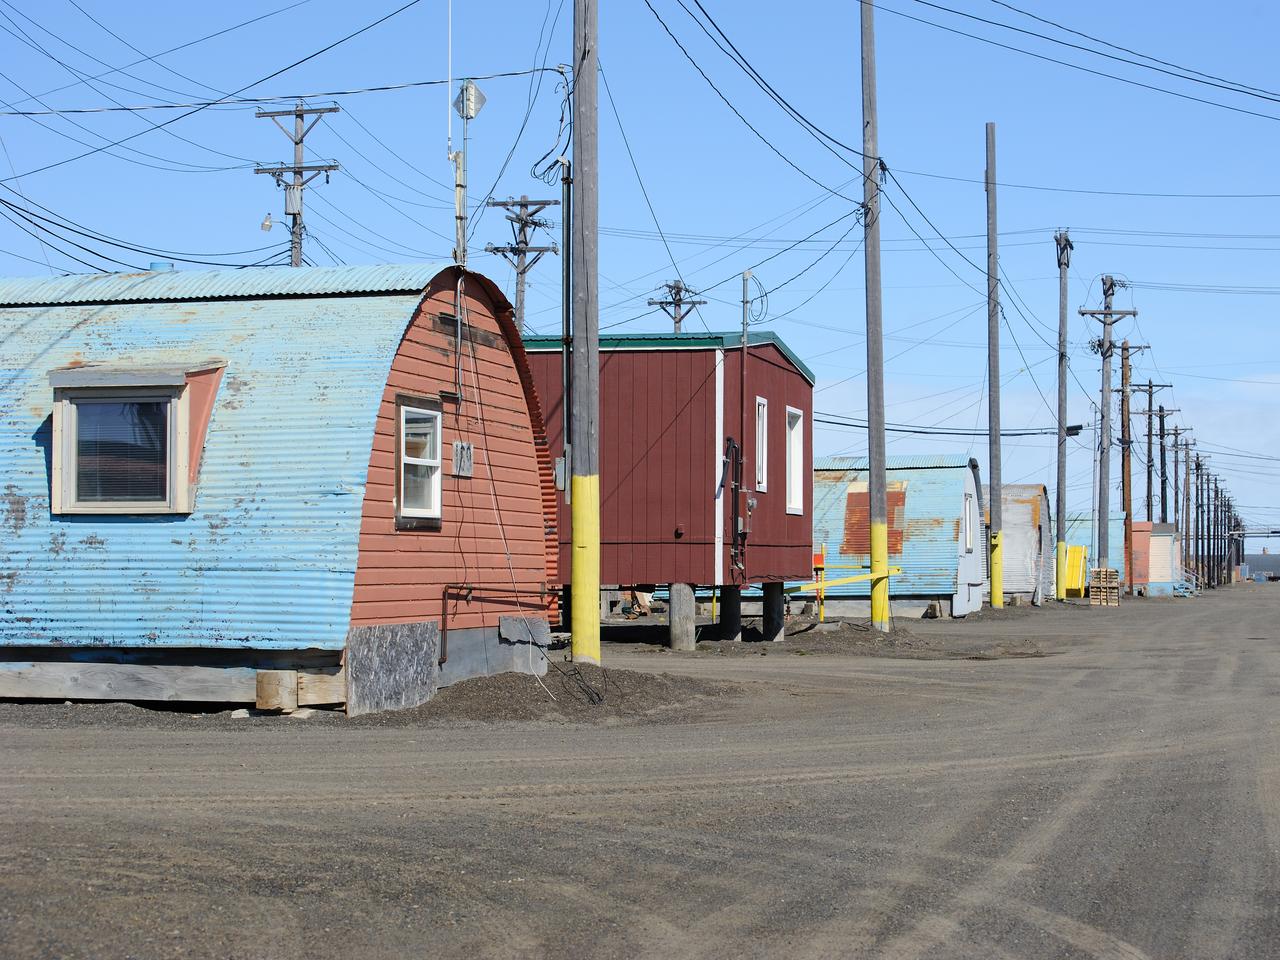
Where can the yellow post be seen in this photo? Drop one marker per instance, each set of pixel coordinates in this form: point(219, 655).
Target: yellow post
point(819, 576)
point(880, 576)
point(584, 577)
point(997, 571)
point(1060, 571)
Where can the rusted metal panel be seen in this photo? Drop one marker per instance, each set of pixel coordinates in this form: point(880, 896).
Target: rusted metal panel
point(659, 456)
point(267, 557)
point(926, 507)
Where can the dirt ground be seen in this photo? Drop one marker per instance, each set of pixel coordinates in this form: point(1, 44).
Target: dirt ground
point(567, 694)
point(1118, 798)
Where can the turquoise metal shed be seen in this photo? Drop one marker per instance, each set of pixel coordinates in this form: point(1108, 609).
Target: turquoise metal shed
point(935, 518)
point(1080, 533)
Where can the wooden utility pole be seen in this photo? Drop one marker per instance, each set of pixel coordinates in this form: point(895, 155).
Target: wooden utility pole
point(677, 302)
point(1064, 245)
point(1150, 389)
point(1198, 542)
point(993, 380)
point(877, 488)
point(1164, 468)
point(1126, 464)
point(523, 216)
point(1107, 316)
point(585, 467)
point(299, 169)
point(1187, 561)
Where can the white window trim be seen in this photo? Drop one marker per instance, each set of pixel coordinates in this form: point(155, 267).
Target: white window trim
point(762, 445)
point(63, 486)
point(968, 523)
point(795, 470)
point(437, 487)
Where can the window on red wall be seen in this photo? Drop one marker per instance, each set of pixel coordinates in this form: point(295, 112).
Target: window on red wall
point(762, 444)
point(419, 425)
point(795, 460)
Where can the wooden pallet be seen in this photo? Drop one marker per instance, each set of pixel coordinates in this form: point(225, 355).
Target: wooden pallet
point(1104, 587)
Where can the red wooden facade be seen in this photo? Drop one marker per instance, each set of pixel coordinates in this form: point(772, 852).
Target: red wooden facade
point(493, 532)
point(669, 406)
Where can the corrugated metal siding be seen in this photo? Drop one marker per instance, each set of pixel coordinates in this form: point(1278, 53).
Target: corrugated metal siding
point(268, 556)
point(257, 282)
point(924, 520)
point(1028, 538)
point(1080, 533)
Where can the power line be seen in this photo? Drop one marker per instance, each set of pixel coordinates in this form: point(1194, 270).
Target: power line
point(1221, 85)
point(1074, 66)
point(182, 116)
point(736, 112)
point(233, 101)
point(183, 46)
point(635, 168)
point(1113, 46)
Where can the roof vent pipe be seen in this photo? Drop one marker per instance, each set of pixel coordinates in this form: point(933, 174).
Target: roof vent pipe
point(161, 266)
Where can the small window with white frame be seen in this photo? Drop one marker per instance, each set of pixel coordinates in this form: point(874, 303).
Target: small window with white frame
point(762, 444)
point(795, 460)
point(418, 471)
point(120, 442)
point(967, 522)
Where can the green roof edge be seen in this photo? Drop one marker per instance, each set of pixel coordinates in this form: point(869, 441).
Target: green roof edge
point(687, 341)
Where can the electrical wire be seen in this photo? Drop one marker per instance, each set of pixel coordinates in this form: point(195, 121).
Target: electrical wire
point(635, 168)
point(275, 73)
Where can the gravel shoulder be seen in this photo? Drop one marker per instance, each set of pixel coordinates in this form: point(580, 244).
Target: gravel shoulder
point(568, 694)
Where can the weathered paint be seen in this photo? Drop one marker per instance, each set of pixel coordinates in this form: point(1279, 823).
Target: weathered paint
point(927, 499)
point(1080, 534)
point(267, 558)
point(1028, 542)
point(667, 404)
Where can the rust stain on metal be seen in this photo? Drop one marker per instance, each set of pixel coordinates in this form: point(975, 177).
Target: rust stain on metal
point(13, 509)
point(857, 520)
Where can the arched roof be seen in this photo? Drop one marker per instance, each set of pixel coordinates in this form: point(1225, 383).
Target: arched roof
point(267, 558)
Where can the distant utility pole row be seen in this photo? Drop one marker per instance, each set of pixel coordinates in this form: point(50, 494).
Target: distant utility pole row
point(677, 302)
point(523, 216)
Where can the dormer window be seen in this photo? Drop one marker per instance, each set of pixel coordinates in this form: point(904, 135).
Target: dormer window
point(122, 440)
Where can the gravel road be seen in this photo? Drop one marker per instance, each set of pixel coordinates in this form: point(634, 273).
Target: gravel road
point(1118, 798)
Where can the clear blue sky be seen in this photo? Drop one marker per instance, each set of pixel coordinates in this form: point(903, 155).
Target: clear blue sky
point(709, 179)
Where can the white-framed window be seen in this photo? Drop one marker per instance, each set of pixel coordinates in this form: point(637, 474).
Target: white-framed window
point(418, 494)
point(762, 444)
point(121, 450)
point(795, 460)
point(966, 523)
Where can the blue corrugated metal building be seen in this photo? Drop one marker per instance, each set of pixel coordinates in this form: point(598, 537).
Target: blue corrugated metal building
point(249, 539)
point(267, 558)
point(1080, 533)
point(935, 536)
